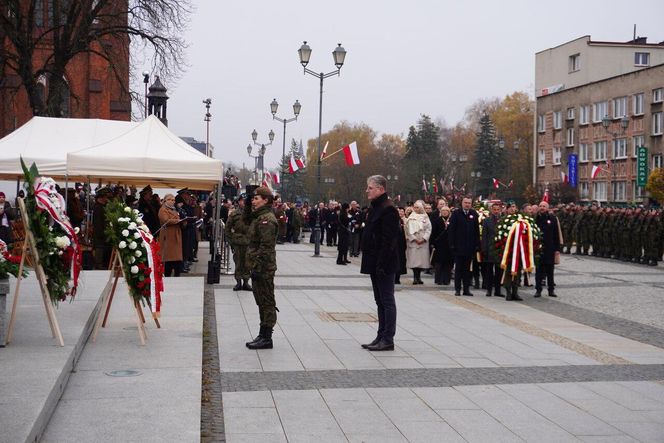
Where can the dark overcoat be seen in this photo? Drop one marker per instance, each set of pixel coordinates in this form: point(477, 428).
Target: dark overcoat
point(379, 239)
point(464, 233)
point(548, 225)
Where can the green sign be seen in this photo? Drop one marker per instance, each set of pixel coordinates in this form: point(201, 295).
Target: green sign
point(641, 166)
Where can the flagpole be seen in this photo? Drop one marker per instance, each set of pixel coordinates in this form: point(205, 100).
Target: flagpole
point(335, 152)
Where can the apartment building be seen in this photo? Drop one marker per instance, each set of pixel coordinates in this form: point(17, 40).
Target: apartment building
point(597, 103)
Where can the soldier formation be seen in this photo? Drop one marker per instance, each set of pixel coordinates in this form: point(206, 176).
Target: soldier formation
point(628, 234)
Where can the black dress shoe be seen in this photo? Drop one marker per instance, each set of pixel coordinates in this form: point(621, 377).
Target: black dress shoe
point(246, 286)
point(498, 294)
point(343, 263)
point(488, 293)
point(538, 294)
point(373, 343)
point(238, 286)
point(348, 262)
point(457, 293)
point(515, 297)
point(382, 345)
point(552, 294)
point(468, 293)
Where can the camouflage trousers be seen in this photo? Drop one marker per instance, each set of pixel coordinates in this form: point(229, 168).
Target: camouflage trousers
point(263, 289)
point(239, 258)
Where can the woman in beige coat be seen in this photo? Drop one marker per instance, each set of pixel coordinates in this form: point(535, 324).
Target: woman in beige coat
point(170, 237)
point(418, 230)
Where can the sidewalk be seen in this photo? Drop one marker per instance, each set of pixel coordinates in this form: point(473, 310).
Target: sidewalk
point(464, 368)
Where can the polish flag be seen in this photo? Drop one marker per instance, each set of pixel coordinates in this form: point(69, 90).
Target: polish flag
point(563, 177)
point(595, 171)
point(546, 195)
point(324, 153)
point(292, 165)
point(496, 183)
point(268, 176)
point(275, 178)
point(509, 185)
point(300, 162)
point(266, 183)
point(350, 152)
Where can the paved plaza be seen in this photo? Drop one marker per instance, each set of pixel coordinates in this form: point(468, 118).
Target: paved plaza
point(587, 366)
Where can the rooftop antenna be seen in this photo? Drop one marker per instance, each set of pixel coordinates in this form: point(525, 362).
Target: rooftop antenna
point(634, 39)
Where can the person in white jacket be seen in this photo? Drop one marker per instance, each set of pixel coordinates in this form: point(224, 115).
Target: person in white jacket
point(418, 231)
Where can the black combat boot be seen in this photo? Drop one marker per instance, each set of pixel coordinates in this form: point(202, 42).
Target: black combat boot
point(238, 286)
point(538, 293)
point(246, 286)
point(258, 337)
point(652, 262)
point(264, 340)
point(515, 294)
point(346, 258)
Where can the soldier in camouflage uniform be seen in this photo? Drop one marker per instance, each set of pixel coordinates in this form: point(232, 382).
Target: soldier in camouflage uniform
point(237, 227)
point(566, 225)
point(593, 229)
point(296, 223)
point(262, 262)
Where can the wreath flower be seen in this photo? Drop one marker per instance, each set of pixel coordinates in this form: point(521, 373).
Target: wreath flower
point(56, 240)
point(139, 254)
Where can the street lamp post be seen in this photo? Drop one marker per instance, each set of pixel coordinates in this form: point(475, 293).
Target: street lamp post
point(146, 80)
point(475, 175)
point(624, 124)
point(339, 55)
point(207, 102)
point(296, 110)
point(261, 151)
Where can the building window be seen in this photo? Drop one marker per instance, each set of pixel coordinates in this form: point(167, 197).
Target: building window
point(619, 107)
point(599, 152)
point(618, 191)
point(583, 190)
point(584, 114)
point(557, 155)
point(574, 62)
point(570, 113)
point(583, 152)
point(599, 191)
point(657, 161)
point(541, 123)
point(541, 159)
point(637, 191)
point(600, 110)
point(638, 104)
point(642, 59)
point(638, 141)
point(657, 95)
point(570, 137)
point(657, 123)
point(620, 148)
point(557, 120)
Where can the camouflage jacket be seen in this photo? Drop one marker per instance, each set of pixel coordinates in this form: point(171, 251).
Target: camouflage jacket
point(237, 229)
point(261, 254)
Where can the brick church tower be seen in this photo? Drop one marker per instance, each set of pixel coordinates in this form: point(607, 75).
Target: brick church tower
point(93, 88)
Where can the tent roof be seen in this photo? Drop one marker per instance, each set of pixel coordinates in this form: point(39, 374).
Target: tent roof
point(147, 153)
point(46, 142)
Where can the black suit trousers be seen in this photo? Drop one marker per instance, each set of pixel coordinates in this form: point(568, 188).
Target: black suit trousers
point(462, 272)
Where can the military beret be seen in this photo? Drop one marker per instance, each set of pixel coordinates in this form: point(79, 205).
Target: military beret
point(146, 189)
point(263, 192)
point(103, 192)
point(183, 191)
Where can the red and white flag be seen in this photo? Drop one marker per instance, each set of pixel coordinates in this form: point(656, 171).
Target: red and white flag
point(546, 195)
point(563, 177)
point(350, 152)
point(509, 185)
point(324, 153)
point(268, 176)
point(275, 178)
point(496, 183)
point(595, 171)
point(292, 165)
point(300, 162)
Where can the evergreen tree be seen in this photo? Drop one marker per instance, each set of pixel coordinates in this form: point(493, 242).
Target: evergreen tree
point(292, 185)
point(423, 157)
point(489, 158)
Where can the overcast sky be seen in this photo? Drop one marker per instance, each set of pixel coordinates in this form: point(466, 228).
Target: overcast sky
point(403, 58)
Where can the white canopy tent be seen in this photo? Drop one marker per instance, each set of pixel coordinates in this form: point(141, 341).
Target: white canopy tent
point(149, 153)
point(46, 142)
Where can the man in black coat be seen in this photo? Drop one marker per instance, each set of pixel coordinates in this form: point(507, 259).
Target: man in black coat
point(548, 225)
point(490, 257)
point(318, 213)
point(464, 235)
point(380, 260)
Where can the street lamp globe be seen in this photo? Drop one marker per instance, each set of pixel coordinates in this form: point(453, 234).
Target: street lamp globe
point(606, 121)
point(339, 55)
point(296, 108)
point(479, 174)
point(249, 149)
point(254, 135)
point(624, 122)
point(274, 106)
point(501, 143)
point(262, 150)
point(271, 135)
point(305, 54)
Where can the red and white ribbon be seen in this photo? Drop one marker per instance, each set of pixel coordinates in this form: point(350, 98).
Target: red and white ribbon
point(156, 274)
point(49, 199)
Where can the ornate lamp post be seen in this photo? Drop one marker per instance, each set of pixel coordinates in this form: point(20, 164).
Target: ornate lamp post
point(146, 80)
point(207, 102)
point(261, 151)
point(296, 110)
point(339, 55)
